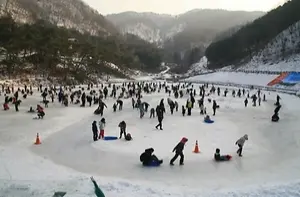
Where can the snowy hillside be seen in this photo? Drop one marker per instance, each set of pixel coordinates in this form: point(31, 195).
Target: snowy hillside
point(157, 28)
point(154, 28)
point(281, 54)
point(144, 32)
point(68, 13)
point(198, 68)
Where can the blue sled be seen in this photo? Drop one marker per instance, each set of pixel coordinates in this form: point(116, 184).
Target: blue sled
point(209, 121)
point(110, 138)
point(153, 164)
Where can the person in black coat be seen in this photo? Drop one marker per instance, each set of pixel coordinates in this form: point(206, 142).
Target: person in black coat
point(215, 106)
point(160, 117)
point(179, 151)
point(120, 103)
point(95, 131)
point(147, 157)
point(122, 126)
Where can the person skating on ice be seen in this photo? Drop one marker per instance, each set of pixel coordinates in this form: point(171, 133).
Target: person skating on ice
point(178, 149)
point(240, 142)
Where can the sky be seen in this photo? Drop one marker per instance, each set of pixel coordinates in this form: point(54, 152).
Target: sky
point(175, 7)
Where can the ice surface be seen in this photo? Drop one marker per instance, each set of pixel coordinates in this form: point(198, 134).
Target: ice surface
point(68, 156)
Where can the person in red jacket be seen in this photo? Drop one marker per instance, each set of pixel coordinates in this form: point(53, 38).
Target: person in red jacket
point(40, 111)
point(179, 151)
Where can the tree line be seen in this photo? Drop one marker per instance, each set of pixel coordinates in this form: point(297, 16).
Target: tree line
point(253, 37)
point(45, 49)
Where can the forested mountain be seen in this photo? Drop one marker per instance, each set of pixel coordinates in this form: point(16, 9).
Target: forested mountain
point(255, 37)
point(72, 14)
point(67, 39)
point(43, 48)
point(185, 37)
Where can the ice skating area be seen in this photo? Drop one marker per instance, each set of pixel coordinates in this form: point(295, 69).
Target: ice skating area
point(68, 155)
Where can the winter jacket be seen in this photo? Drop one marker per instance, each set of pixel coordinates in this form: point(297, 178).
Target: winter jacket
point(242, 140)
point(145, 157)
point(180, 146)
point(217, 157)
point(101, 125)
point(122, 125)
point(94, 127)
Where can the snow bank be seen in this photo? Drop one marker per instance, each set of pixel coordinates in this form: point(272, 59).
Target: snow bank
point(235, 77)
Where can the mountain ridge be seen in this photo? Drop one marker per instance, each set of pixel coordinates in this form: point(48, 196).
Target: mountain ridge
point(72, 14)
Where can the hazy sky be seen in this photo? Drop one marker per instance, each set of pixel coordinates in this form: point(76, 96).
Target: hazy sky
point(179, 6)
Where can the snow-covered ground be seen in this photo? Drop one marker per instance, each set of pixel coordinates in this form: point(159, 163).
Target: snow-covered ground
point(67, 156)
point(234, 78)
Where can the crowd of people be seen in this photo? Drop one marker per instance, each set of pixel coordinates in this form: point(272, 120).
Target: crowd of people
point(96, 94)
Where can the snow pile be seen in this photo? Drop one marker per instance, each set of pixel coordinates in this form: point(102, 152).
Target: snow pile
point(281, 54)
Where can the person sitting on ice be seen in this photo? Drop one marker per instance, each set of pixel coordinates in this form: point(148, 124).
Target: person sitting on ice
point(149, 159)
point(40, 112)
point(31, 110)
point(275, 117)
point(219, 157)
point(128, 137)
point(207, 118)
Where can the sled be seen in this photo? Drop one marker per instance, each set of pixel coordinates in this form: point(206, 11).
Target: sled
point(154, 164)
point(59, 194)
point(108, 138)
point(209, 121)
point(225, 158)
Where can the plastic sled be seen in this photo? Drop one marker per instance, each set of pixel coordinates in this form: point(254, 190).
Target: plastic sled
point(110, 138)
point(153, 164)
point(209, 121)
